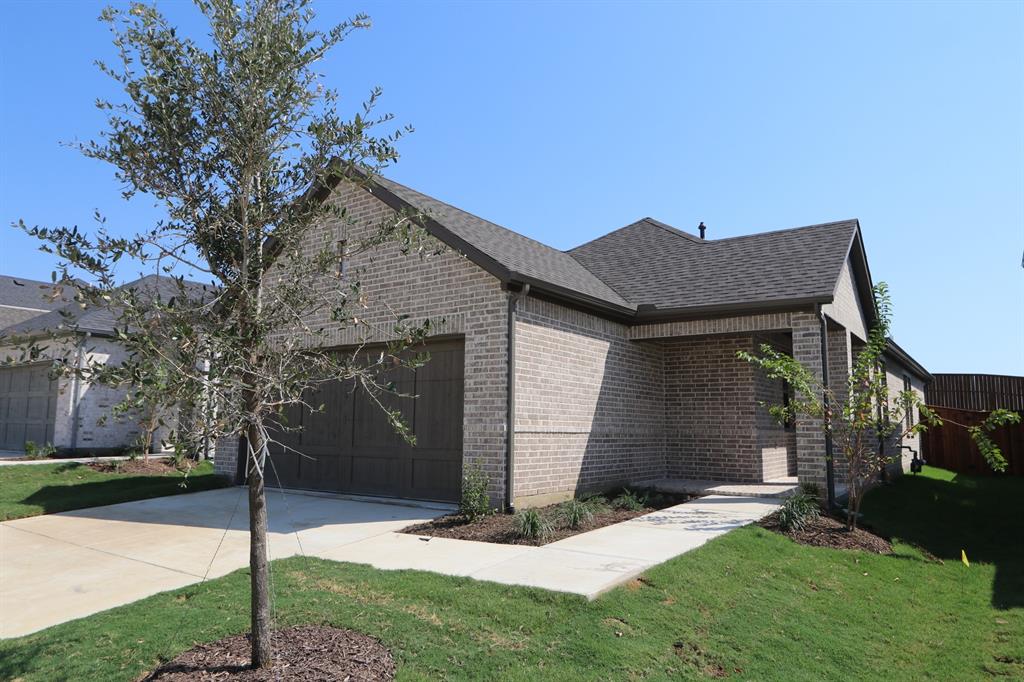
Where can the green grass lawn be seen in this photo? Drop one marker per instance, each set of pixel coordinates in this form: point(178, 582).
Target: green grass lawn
point(33, 489)
point(749, 605)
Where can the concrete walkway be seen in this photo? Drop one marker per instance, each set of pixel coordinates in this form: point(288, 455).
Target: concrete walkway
point(59, 567)
point(10, 458)
point(690, 486)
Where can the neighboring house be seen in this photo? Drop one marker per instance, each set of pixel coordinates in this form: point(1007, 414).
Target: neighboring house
point(567, 371)
point(65, 412)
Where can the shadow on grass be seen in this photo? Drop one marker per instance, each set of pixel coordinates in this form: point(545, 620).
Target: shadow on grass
point(116, 489)
point(945, 515)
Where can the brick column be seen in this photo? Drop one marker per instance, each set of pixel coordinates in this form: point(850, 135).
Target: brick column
point(839, 365)
point(810, 439)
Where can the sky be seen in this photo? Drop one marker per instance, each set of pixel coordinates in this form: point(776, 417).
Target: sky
point(566, 120)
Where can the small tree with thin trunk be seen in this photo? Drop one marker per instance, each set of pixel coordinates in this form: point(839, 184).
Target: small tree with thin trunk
point(862, 417)
point(238, 141)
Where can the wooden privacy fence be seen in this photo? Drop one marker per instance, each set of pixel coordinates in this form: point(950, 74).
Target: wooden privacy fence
point(976, 391)
point(951, 447)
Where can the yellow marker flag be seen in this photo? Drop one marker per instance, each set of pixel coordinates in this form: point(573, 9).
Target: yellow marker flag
point(963, 558)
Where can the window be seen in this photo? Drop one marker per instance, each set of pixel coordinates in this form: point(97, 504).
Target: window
point(910, 418)
point(342, 258)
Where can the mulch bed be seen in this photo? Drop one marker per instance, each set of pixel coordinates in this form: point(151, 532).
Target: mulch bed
point(310, 653)
point(827, 531)
point(501, 529)
point(136, 466)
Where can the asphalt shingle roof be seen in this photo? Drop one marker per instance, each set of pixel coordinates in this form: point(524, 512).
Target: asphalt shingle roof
point(28, 293)
point(514, 251)
point(650, 263)
point(96, 319)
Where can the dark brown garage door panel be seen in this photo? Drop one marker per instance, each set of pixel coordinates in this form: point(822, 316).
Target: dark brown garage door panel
point(28, 405)
point(352, 447)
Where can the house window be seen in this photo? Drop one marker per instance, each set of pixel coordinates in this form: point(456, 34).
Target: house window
point(342, 258)
point(910, 418)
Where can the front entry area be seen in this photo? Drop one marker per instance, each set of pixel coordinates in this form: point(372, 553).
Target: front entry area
point(350, 447)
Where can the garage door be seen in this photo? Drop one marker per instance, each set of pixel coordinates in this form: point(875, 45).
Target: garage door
point(350, 447)
point(28, 405)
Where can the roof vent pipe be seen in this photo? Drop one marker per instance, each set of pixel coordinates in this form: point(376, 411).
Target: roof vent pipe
point(702, 228)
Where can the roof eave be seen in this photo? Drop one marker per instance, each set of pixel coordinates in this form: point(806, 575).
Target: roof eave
point(650, 314)
point(36, 334)
point(862, 276)
point(894, 351)
point(573, 298)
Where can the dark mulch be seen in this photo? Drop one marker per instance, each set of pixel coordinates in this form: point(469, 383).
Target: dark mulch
point(310, 653)
point(136, 466)
point(826, 531)
point(501, 528)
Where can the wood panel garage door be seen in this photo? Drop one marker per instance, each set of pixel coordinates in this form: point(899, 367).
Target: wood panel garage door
point(350, 447)
point(28, 405)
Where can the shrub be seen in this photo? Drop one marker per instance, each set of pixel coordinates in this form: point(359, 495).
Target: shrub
point(531, 525)
point(597, 503)
point(797, 511)
point(630, 500)
point(475, 503)
point(34, 451)
point(575, 513)
point(811, 489)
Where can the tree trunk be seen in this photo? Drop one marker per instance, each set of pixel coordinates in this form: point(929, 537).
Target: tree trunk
point(258, 570)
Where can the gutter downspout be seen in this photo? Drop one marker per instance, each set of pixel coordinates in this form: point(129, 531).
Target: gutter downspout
point(510, 363)
point(830, 480)
point(75, 391)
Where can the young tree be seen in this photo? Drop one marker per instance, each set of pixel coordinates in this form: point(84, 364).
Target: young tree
point(238, 140)
point(862, 415)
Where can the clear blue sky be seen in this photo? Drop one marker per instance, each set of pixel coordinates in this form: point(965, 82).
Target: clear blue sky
point(566, 120)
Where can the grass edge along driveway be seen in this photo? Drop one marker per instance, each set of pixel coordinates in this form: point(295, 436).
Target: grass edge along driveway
point(34, 489)
point(748, 605)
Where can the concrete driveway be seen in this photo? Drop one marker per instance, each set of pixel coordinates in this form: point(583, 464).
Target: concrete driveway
point(59, 567)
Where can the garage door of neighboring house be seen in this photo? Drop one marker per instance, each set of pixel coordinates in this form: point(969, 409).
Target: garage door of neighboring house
point(351, 447)
point(28, 405)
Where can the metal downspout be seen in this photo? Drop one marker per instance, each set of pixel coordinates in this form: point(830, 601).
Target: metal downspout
point(830, 480)
point(510, 432)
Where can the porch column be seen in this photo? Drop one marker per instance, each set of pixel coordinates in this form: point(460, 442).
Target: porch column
point(840, 364)
point(810, 439)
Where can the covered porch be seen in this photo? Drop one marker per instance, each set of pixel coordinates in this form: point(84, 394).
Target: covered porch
point(719, 435)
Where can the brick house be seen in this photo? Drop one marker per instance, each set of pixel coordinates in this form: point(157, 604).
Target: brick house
point(568, 371)
point(73, 415)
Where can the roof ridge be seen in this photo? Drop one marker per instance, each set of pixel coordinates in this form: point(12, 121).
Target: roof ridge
point(782, 230)
point(645, 219)
point(25, 280)
point(675, 230)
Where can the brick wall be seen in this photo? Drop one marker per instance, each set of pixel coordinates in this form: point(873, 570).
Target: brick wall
point(711, 423)
point(98, 429)
point(589, 403)
point(894, 381)
point(457, 296)
point(720, 325)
